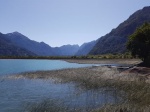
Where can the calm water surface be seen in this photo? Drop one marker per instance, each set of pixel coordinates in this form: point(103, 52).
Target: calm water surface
point(17, 94)
point(12, 66)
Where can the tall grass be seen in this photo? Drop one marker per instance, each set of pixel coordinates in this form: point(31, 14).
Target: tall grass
point(53, 105)
point(137, 98)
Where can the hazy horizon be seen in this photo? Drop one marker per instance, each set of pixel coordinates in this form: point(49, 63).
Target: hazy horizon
point(58, 23)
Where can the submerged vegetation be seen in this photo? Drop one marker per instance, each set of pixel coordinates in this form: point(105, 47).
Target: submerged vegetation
point(137, 99)
point(134, 89)
point(48, 106)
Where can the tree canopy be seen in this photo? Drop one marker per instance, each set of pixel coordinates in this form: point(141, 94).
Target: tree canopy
point(139, 43)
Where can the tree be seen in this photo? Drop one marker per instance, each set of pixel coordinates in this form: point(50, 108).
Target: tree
point(139, 43)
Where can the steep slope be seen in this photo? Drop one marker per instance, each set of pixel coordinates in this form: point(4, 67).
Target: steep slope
point(41, 48)
point(9, 49)
point(86, 48)
point(115, 41)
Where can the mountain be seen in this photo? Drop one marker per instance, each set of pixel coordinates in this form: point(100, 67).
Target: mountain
point(68, 50)
point(115, 41)
point(41, 48)
point(86, 48)
point(7, 48)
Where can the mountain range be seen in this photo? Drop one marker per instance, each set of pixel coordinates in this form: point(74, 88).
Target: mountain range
point(115, 41)
point(22, 46)
point(16, 44)
point(40, 48)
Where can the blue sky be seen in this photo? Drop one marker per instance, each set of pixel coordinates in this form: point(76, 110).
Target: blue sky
point(60, 22)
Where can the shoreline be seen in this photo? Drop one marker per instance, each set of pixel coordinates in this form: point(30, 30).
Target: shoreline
point(104, 61)
point(125, 71)
point(115, 73)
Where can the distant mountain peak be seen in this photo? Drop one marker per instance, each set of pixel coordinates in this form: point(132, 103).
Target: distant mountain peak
point(16, 32)
point(42, 42)
point(17, 35)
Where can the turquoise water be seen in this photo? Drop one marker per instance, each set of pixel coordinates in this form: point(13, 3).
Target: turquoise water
point(18, 95)
point(13, 66)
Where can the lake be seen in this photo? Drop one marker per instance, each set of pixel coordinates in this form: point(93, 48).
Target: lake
point(13, 66)
point(23, 95)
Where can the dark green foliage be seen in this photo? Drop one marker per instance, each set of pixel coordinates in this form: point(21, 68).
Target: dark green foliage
point(139, 43)
point(126, 55)
point(115, 41)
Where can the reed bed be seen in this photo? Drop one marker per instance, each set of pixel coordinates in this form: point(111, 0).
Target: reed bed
point(136, 89)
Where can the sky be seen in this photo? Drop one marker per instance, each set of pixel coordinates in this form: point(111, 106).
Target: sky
point(61, 22)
